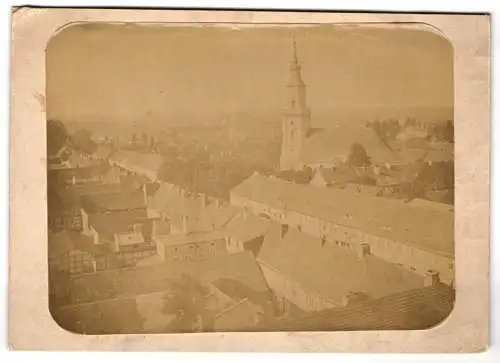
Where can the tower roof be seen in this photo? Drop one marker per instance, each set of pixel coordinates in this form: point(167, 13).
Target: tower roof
point(295, 79)
point(295, 58)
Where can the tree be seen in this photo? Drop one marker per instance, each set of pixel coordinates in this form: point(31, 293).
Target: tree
point(83, 141)
point(187, 300)
point(449, 132)
point(358, 156)
point(57, 137)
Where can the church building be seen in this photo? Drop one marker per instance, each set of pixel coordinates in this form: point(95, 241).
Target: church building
point(303, 145)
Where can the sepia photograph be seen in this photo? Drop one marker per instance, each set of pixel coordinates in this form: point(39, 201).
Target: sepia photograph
point(249, 179)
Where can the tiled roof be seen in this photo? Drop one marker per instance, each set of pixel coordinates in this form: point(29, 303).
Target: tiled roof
point(331, 271)
point(409, 310)
point(383, 217)
point(334, 144)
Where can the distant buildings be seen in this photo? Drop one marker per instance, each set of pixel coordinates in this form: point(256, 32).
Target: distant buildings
point(145, 164)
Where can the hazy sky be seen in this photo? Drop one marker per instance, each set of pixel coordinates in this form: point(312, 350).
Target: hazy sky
point(129, 73)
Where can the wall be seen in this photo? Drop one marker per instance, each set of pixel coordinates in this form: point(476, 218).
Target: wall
point(85, 221)
point(130, 258)
point(293, 292)
point(76, 262)
point(412, 258)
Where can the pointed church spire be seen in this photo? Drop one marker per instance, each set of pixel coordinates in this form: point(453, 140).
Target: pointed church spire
point(295, 79)
point(296, 122)
point(295, 58)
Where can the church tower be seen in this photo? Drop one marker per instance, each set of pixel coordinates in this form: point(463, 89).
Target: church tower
point(296, 120)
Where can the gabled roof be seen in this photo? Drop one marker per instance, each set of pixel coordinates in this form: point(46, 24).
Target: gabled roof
point(393, 219)
point(414, 309)
point(330, 271)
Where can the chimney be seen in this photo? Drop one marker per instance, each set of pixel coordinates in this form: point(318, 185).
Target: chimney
point(431, 278)
point(363, 250)
point(204, 200)
point(283, 230)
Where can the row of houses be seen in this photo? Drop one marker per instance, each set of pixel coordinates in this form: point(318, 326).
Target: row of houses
point(315, 250)
point(416, 235)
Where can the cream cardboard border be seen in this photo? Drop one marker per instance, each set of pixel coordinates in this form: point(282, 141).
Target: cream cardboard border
point(30, 324)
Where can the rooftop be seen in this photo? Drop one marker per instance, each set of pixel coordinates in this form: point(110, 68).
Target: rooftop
point(415, 309)
point(319, 147)
point(108, 224)
point(65, 241)
point(418, 225)
point(130, 282)
point(342, 175)
point(180, 239)
point(330, 271)
point(168, 200)
point(137, 161)
point(247, 227)
point(98, 203)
